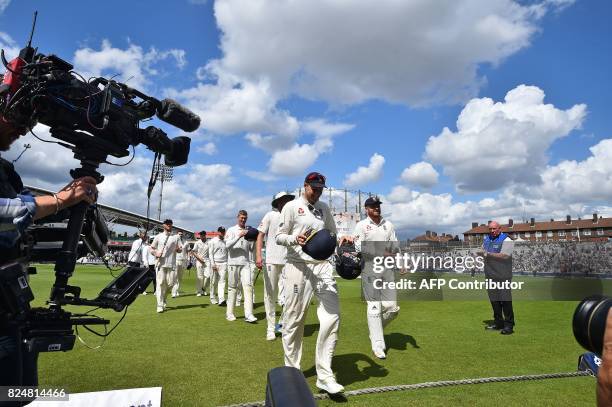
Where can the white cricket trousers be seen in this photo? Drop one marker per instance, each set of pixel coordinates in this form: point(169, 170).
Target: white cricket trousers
point(178, 278)
point(202, 278)
point(164, 280)
point(271, 283)
point(302, 281)
point(221, 273)
point(381, 306)
point(235, 275)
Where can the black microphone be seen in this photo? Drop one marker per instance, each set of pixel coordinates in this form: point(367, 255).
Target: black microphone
point(179, 116)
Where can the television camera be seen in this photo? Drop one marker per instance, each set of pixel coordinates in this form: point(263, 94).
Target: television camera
point(94, 118)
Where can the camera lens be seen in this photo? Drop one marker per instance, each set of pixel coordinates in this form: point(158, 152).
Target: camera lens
point(589, 322)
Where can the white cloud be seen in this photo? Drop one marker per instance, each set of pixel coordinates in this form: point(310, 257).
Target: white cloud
point(43, 165)
point(11, 50)
point(499, 143)
point(323, 128)
point(270, 143)
point(261, 176)
point(574, 182)
point(414, 52)
point(231, 106)
point(579, 189)
point(209, 148)
point(421, 174)
point(365, 175)
point(4, 4)
point(293, 161)
point(134, 65)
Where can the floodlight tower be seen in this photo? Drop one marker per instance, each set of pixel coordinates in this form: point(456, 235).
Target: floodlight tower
point(165, 173)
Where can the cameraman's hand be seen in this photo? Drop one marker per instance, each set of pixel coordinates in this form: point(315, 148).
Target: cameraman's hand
point(81, 189)
point(604, 377)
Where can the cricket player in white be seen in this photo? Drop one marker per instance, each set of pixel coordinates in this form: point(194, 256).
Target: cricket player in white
point(218, 259)
point(306, 276)
point(239, 268)
point(276, 257)
point(182, 258)
point(203, 267)
point(135, 256)
point(381, 308)
point(165, 246)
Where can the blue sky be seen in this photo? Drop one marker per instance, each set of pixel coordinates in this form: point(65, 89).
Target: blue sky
point(286, 88)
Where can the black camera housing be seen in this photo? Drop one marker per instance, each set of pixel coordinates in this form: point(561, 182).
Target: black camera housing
point(589, 322)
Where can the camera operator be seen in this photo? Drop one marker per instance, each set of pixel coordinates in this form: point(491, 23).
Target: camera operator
point(18, 209)
point(604, 376)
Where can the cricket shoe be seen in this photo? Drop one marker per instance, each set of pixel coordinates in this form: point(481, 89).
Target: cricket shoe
point(379, 353)
point(330, 386)
point(250, 319)
point(230, 317)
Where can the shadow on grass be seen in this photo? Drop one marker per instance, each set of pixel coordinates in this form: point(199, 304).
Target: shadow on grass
point(310, 329)
point(260, 316)
point(181, 307)
point(338, 398)
point(400, 341)
point(350, 368)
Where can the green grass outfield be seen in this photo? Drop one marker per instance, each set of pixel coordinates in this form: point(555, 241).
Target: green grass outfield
point(200, 359)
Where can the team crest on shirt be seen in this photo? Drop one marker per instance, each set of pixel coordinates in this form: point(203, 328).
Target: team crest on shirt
point(301, 211)
point(369, 227)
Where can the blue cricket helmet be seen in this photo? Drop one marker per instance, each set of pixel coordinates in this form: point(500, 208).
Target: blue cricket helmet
point(320, 245)
point(251, 234)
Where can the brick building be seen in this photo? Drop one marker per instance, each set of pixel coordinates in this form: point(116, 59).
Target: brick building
point(593, 229)
point(430, 236)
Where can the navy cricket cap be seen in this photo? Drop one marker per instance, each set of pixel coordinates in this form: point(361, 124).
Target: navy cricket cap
point(315, 180)
point(168, 222)
point(372, 201)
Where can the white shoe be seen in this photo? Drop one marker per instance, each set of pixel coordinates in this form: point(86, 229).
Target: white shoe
point(173, 295)
point(379, 353)
point(160, 309)
point(270, 336)
point(144, 293)
point(199, 294)
point(330, 386)
point(213, 301)
point(205, 293)
point(250, 319)
point(230, 317)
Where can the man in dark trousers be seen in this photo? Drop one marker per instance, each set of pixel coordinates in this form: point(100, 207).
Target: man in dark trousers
point(497, 253)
